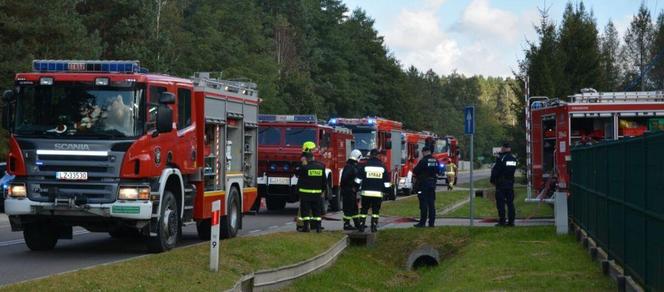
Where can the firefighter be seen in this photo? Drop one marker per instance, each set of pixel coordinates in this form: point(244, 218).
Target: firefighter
point(450, 171)
point(425, 172)
point(374, 181)
point(502, 177)
point(310, 184)
point(349, 190)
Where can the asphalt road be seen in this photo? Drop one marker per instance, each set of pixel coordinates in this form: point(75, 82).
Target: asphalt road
point(18, 263)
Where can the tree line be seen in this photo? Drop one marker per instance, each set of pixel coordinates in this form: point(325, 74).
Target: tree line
point(307, 56)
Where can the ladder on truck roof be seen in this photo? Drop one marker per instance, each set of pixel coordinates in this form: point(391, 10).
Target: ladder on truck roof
point(243, 88)
point(618, 97)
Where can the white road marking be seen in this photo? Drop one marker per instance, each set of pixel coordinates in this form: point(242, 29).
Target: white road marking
point(273, 227)
point(254, 231)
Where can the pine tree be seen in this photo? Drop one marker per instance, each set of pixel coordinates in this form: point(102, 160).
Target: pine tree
point(610, 58)
point(657, 73)
point(638, 49)
point(579, 50)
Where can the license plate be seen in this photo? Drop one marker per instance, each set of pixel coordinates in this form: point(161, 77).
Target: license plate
point(71, 175)
point(278, 180)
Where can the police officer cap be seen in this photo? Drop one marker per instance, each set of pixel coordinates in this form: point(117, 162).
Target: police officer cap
point(506, 145)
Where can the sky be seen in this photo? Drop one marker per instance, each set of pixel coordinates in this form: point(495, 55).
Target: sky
point(476, 37)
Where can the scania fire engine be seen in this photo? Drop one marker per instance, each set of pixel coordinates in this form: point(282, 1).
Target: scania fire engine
point(106, 146)
point(280, 142)
point(554, 126)
point(377, 133)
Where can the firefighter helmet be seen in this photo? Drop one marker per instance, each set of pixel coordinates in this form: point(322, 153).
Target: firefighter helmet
point(308, 146)
point(355, 155)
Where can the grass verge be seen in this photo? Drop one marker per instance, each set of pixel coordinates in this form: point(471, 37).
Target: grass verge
point(479, 259)
point(479, 184)
point(410, 207)
point(485, 208)
point(186, 269)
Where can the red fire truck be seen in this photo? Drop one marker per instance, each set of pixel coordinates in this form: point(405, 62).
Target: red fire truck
point(280, 142)
point(411, 145)
point(106, 146)
point(554, 126)
point(444, 148)
point(377, 133)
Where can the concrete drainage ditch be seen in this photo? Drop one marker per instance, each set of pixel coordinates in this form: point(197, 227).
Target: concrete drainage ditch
point(423, 256)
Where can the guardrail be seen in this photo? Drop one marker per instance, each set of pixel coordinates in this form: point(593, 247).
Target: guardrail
point(617, 197)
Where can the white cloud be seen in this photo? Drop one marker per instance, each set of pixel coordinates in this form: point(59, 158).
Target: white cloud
point(483, 41)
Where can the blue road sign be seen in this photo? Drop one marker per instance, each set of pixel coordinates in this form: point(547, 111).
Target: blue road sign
point(469, 120)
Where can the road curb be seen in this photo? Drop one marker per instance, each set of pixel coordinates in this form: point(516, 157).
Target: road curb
point(279, 277)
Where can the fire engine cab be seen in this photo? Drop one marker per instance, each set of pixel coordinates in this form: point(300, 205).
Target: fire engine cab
point(280, 142)
point(108, 147)
point(377, 133)
point(554, 126)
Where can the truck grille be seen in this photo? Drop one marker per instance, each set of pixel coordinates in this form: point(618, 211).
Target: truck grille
point(92, 192)
point(95, 166)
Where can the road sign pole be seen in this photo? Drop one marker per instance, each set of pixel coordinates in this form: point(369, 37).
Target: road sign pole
point(214, 236)
point(472, 191)
point(469, 129)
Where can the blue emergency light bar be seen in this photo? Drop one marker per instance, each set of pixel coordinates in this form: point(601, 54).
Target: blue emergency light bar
point(87, 66)
point(288, 118)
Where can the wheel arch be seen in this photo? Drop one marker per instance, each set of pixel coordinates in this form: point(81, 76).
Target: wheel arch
point(171, 179)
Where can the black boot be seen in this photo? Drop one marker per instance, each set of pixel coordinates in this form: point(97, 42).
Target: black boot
point(356, 222)
point(362, 222)
point(374, 224)
point(347, 225)
point(305, 226)
point(318, 226)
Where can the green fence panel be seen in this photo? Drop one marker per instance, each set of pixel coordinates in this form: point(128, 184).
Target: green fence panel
point(617, 196)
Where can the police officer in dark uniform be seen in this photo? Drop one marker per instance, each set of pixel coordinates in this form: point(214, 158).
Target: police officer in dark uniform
point(310, 184)
point(502, 177)
point(425, 173)
point(349, 190)
point(374, 182)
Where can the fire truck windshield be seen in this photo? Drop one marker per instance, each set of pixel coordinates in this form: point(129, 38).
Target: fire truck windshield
point(80, 109)
point(297, 136)
point(365, 140)
point(269, 136)
point(441, 146)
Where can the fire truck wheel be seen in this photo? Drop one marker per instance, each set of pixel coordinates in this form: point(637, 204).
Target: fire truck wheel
point(40, 236)
point(335, 200)
point(167, 227)
point(229, 224)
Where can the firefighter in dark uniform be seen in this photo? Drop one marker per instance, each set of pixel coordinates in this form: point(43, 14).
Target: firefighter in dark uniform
point(310, 185)
point(502, 177)
point(349, 190)
point(374, 182)
point(425, 173)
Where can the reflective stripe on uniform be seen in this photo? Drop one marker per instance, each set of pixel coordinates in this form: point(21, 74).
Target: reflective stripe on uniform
point(372, 194)
point(375, 215)
point(310, 191)
point(362, 216)
point(510, 163)
point(358, 216)
point(316, 218)
point(304, 218)
point(348, 217)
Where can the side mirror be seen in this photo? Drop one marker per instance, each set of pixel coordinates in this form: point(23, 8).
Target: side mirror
point(164, 119)
point(388, 145)
point(167, 98)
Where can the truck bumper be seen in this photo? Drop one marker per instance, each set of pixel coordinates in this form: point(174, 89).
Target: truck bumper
point(134, 210)
point(278, 187)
